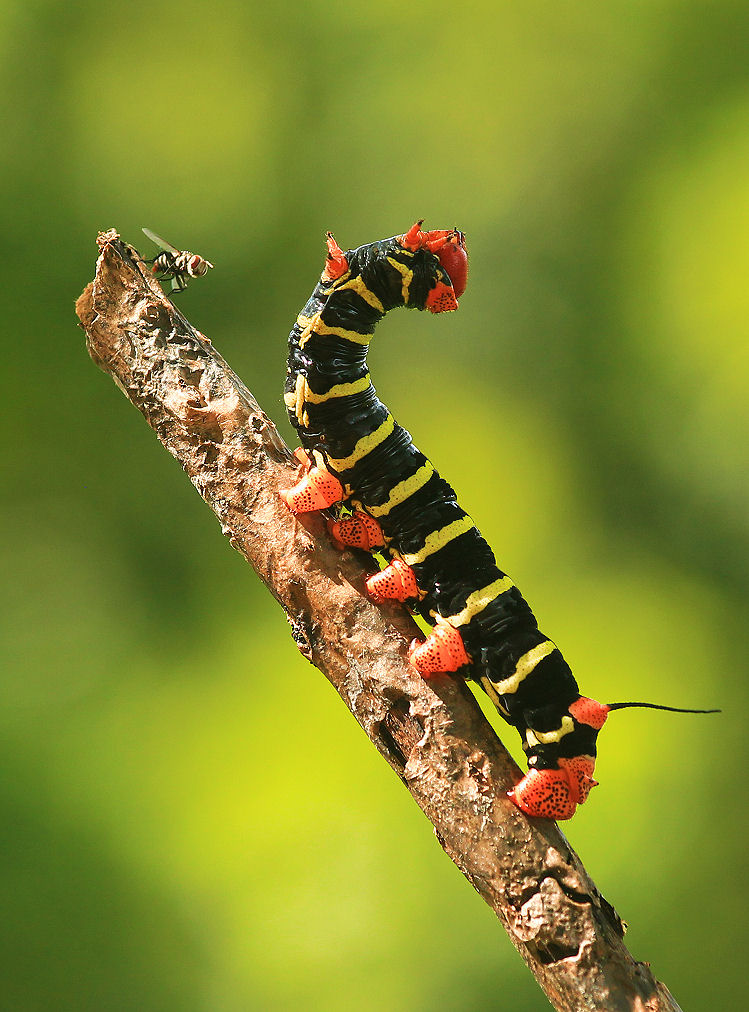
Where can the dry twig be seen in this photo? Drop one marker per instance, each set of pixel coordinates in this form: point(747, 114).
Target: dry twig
point(433, 735)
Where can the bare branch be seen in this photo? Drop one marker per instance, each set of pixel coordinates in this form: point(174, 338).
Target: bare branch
point(432, 734)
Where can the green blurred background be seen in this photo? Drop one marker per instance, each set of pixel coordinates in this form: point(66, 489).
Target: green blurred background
point(174, 835)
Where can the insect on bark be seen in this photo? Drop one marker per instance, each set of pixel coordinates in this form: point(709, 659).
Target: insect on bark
point(179, 265)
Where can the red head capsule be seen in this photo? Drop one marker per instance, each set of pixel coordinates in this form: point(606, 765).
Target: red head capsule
point(448, 245)
point(454, 258)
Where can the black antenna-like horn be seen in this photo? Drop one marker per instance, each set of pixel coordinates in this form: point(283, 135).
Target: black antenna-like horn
point(657, 706)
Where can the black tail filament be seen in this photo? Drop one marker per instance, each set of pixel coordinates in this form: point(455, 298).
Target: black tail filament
point(657, 706)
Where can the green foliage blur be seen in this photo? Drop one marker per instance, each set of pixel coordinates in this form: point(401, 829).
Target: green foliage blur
point(177, 834)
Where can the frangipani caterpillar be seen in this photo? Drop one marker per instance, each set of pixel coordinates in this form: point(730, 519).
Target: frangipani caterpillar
point(439, 564)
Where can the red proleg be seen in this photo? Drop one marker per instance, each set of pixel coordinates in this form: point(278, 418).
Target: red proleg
point(395, 582)
point(441, 651)
point(317, 490)
point(357, 531)
point(555, 794)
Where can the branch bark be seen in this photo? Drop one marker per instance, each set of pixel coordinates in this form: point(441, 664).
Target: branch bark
point(433, 734)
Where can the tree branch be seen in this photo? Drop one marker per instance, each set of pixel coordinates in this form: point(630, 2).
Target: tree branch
point(432, 734)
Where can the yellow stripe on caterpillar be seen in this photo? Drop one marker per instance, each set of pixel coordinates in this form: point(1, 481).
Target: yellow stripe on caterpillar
point(339, 390)
point(357, 285)
point(548, 737)
point(438, 539)
point(403, 490)
point(406, 273)
point(347, 335)
point(307, 326)
point(479, 599)
point(310, 325)
point(297, 403)
point(364, 446)
point(489, 689)
point(524, 667)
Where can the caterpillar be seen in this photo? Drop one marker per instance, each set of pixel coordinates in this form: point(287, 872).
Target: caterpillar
point(396, 503)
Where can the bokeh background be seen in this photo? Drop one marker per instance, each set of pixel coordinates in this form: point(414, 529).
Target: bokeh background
point(175, 835)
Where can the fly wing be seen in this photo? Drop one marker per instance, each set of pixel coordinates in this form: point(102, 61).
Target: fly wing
point(166, 246)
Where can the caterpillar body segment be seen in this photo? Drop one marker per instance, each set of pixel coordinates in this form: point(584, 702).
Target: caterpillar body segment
point(438, 561)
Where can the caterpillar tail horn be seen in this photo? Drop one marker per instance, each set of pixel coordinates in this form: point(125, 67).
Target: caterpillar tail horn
point(656, 706)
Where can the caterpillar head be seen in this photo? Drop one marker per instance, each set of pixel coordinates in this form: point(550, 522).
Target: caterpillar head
point(449, 248)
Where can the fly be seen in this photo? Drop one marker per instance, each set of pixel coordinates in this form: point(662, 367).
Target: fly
point(179, 265)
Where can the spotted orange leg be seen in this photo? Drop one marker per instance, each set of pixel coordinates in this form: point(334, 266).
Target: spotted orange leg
point(395, 582)
point(357, 531)
point(315, 490)
point(441, 651)
point(555, 794)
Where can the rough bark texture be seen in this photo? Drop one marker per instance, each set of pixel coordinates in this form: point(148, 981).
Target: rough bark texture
point(433, 735)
